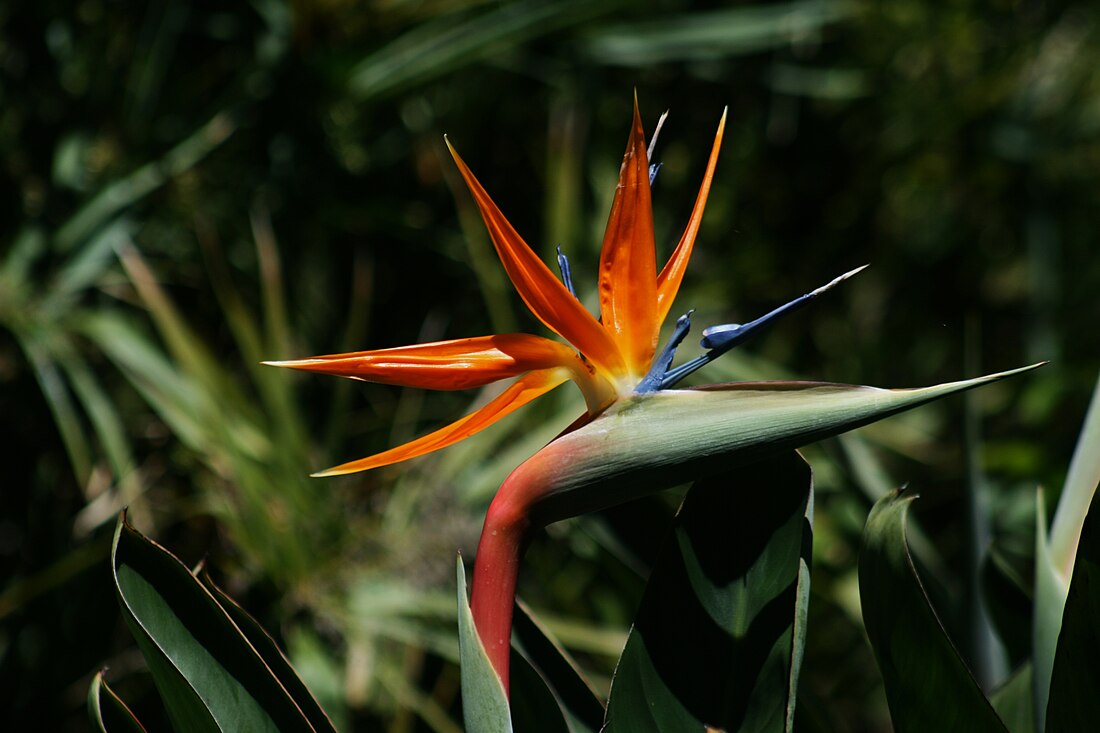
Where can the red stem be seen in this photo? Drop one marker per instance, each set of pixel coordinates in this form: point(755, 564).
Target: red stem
point(496, 567)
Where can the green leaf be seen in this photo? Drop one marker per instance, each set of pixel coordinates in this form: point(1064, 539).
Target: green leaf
point(273, 657)
point(928, 686)
point(719, 636)
point(1082, 479)
point(484, 703)
point(649, 442)
point(449, 44)
point(1013, 701)
point(107, 711)
point(712, 35)
point(131, 188)
point(1054, 559)
point(210, 677)
point(1074, 703)
point(1050, 600)
point(534, 707)
point(539, 661)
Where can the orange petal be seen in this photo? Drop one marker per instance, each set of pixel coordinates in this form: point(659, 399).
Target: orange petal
point(458, 364)
point(543, 293)
point(522, 391)
point(668, 282)
point(628, 267)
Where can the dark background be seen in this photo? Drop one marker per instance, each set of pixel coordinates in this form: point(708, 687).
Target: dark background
point(188, 188)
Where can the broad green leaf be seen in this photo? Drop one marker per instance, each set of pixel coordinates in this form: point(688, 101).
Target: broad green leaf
point(484, 703)
point(209, 676)
point(651, 441)
point(1075, 683)
point(719, 636)
point(1013, 701)
point(928, 686)
point(581, 711)
point(107, 711)
point(273, 657)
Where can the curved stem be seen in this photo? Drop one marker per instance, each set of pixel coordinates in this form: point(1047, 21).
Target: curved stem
point(496, 567)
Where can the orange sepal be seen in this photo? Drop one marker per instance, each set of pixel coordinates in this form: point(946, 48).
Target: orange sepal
point(543, 293)
point(518, 394)
point(668, 282)
point(628, 267)
point(446, 365)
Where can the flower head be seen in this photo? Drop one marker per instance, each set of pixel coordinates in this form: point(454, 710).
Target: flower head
point(608, 358)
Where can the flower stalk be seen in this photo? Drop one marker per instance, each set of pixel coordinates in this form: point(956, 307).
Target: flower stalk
point(654, 441)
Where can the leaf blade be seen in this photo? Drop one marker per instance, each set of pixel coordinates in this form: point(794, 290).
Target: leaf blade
point(484, 703)
point(1073, 703)
point(210, 677)
point(928, 687)
point(736, 584)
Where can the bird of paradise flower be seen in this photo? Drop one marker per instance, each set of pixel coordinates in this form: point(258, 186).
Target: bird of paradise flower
point(637, 435)
point(610, 359)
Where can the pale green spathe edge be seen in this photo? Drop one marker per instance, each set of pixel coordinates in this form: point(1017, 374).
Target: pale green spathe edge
point(1054, 555)
point(656, 440)
point(484, 704)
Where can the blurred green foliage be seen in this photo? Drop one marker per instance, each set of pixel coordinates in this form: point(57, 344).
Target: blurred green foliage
point(190, 187)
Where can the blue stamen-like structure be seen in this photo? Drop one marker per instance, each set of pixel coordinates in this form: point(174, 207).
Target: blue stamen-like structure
point(566, 273)
point(719, 339)
point(653, 168)
point(661, 363)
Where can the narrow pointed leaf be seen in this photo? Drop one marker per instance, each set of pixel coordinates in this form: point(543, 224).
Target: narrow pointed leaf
point(534, 707)
point(580, 708)
point(651, 441)
point(717, 642)
point(1050, 600)
point(1082, 479)
point(628, 263)
point(928, 686)
point(209, 676)
point(1074, 703)
point(518, 394)
point(668, 282)
point(273, 657)
point(540, 289)
point(447, 365)
point(484, 703)
point(1013, 701)
point(107, 711)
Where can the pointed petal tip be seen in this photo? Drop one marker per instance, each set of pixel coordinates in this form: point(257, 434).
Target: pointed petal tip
point(451, 149)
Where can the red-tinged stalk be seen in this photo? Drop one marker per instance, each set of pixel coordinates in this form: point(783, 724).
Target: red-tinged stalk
point(503, 541)
point(653, 441)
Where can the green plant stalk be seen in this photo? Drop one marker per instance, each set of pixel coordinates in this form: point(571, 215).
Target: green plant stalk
point(651, 442)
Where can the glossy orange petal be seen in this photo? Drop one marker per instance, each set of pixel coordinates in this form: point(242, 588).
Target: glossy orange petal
point(447, 365)
point(628, 266)
point(522, 391)
point(668, 282)
point(540, 289)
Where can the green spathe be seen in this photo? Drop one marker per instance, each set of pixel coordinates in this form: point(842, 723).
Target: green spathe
point(652, 441)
